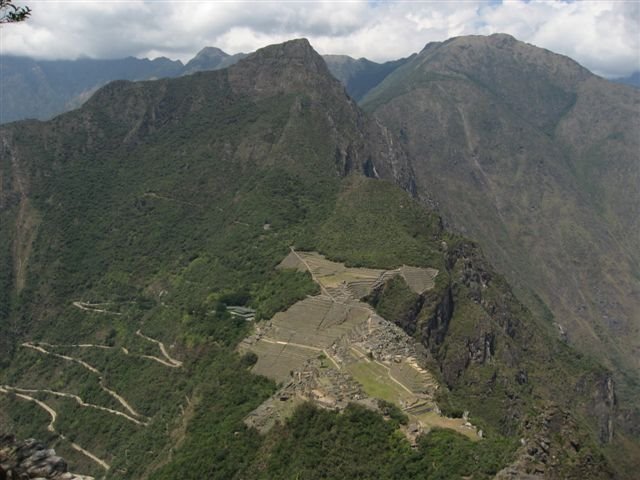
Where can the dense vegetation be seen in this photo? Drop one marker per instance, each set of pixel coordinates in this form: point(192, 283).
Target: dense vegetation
point(358, 443)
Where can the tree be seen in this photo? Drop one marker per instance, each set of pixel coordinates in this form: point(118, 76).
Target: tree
point(10, 13)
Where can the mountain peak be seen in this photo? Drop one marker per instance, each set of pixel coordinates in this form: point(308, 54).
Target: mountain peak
point(503, 60)
point(503, 37)
point(298, 50)
point(290, 66)
point(211, 52)
point(209, 58)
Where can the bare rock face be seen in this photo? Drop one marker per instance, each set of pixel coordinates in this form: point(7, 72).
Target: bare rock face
point(32, 459)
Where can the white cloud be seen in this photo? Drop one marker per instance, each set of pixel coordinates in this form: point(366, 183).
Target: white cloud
point(602, 35)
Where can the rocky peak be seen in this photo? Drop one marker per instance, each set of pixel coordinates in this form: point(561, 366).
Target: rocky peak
point(210, 58)
point(211, 52)
point(291, 67)
point(501, 55)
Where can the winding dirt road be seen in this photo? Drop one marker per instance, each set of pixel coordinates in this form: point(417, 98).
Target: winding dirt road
point(92, 369)
point(77, 399)
point(108, 347)
point(51, 427)
point(92, 307)
point(172, 362)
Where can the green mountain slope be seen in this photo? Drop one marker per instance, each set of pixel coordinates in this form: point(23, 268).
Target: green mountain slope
point(537, 159)
point(42, 89)
point(361, 75)
point(129, 225)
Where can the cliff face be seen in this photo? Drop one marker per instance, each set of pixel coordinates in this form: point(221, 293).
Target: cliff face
point(495, 356)
point(539, 457)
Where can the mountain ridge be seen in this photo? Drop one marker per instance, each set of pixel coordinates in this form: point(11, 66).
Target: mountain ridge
point(52, 93)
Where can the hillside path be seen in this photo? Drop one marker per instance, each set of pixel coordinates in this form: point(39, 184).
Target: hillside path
point(92, 369)
point(51, 427)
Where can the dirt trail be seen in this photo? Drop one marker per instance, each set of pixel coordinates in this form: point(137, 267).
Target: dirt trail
point(174, 363)
point(169, 362)
point(282, 342)
point(92, 307)
point(108, 347)
point(162, 197)
point(51, 427)
point(392, 377)
point(77, 399)
point(92, 369)
point(59, 355)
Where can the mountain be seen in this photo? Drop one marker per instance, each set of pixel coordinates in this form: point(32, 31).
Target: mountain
point(536, 158)
point(633, 80)
point(171, 243)
point(211, 58)
point(42, 89)
point(361, 75)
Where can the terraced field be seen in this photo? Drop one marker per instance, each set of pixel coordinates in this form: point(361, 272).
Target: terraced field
point(356, 283)
point(337, 332)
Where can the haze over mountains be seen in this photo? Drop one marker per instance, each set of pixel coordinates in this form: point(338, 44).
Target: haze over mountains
point(129, 226)
point(42, 89)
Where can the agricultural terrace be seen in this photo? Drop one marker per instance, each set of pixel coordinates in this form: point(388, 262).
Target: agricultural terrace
point(333, 348)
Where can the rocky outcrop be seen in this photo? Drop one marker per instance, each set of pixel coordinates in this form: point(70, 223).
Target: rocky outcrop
point(602, 405)
point(552, 447)
point(22, 460)
point(436, 327)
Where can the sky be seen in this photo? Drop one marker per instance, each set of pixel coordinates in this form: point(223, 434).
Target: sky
point(604, 36)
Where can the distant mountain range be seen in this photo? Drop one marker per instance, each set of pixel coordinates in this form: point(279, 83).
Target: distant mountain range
point(632, 80)
point(41, 89)
point(361, 75)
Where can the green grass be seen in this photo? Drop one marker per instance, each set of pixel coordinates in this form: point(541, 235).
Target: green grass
point(376, 382)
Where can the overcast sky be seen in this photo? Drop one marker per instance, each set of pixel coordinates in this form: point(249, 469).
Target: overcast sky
point(604, 36)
